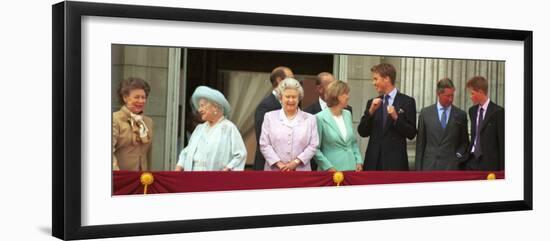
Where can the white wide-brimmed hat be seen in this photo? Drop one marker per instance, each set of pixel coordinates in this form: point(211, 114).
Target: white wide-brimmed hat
point(212, 95)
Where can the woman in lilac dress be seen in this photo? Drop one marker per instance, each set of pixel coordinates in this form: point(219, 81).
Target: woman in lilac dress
point(289, 136)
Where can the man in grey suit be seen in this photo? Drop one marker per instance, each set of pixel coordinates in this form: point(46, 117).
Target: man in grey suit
point(442, 139)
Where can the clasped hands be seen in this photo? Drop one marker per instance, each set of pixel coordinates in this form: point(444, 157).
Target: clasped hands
point(288, 166)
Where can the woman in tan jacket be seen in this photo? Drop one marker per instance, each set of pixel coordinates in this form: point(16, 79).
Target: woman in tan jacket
point(132, 130)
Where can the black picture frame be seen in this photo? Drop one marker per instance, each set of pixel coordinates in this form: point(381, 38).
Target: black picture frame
point(66, 135)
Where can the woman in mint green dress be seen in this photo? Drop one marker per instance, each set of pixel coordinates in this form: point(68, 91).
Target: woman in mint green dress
point(338, 149)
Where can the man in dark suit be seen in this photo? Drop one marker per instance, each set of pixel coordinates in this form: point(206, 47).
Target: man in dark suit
point(388, 120)
point(268, 103)
point(322, 81)
point(487, 122)
point(442, 138)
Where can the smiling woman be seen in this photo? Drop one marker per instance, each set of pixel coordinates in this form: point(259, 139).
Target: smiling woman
point(132, 130)
point(216, 144)
point(289, 136)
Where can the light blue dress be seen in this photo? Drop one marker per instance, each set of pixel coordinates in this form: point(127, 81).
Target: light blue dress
point(214, 148)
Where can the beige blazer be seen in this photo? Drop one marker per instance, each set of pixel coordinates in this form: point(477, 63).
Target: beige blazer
point(129, 154)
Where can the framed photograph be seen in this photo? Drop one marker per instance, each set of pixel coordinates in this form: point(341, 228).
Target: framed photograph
point(96, 46)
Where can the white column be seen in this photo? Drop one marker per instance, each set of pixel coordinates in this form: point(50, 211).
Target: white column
point(340, 67)
point(172, 100)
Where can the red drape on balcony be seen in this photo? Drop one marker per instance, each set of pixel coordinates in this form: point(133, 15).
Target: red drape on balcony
point(128, 182)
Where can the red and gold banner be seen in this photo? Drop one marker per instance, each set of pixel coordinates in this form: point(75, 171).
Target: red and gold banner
point(128, 182)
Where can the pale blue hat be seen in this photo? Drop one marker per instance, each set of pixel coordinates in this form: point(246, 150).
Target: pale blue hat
point(211, 95)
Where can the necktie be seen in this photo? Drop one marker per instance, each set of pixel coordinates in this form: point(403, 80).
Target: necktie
point(477, 150)
point(444, 118)
point(385, 110)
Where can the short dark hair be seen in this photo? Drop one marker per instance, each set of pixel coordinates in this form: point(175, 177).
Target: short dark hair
point(278, 73)
point(130, 84)
point(443, 84)
point(385, 70)
point(335, 89)
point(478, 83)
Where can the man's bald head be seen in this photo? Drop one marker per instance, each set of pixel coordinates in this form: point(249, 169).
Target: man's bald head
point(322, 81)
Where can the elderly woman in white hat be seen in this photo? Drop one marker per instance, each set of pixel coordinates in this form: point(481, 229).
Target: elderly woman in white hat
point(216, 144)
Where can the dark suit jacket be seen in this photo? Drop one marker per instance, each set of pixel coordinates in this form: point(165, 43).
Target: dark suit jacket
point(314, 109)
point(268, 103)
point(491, 139)
point(438, 148)
point(387, 148)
